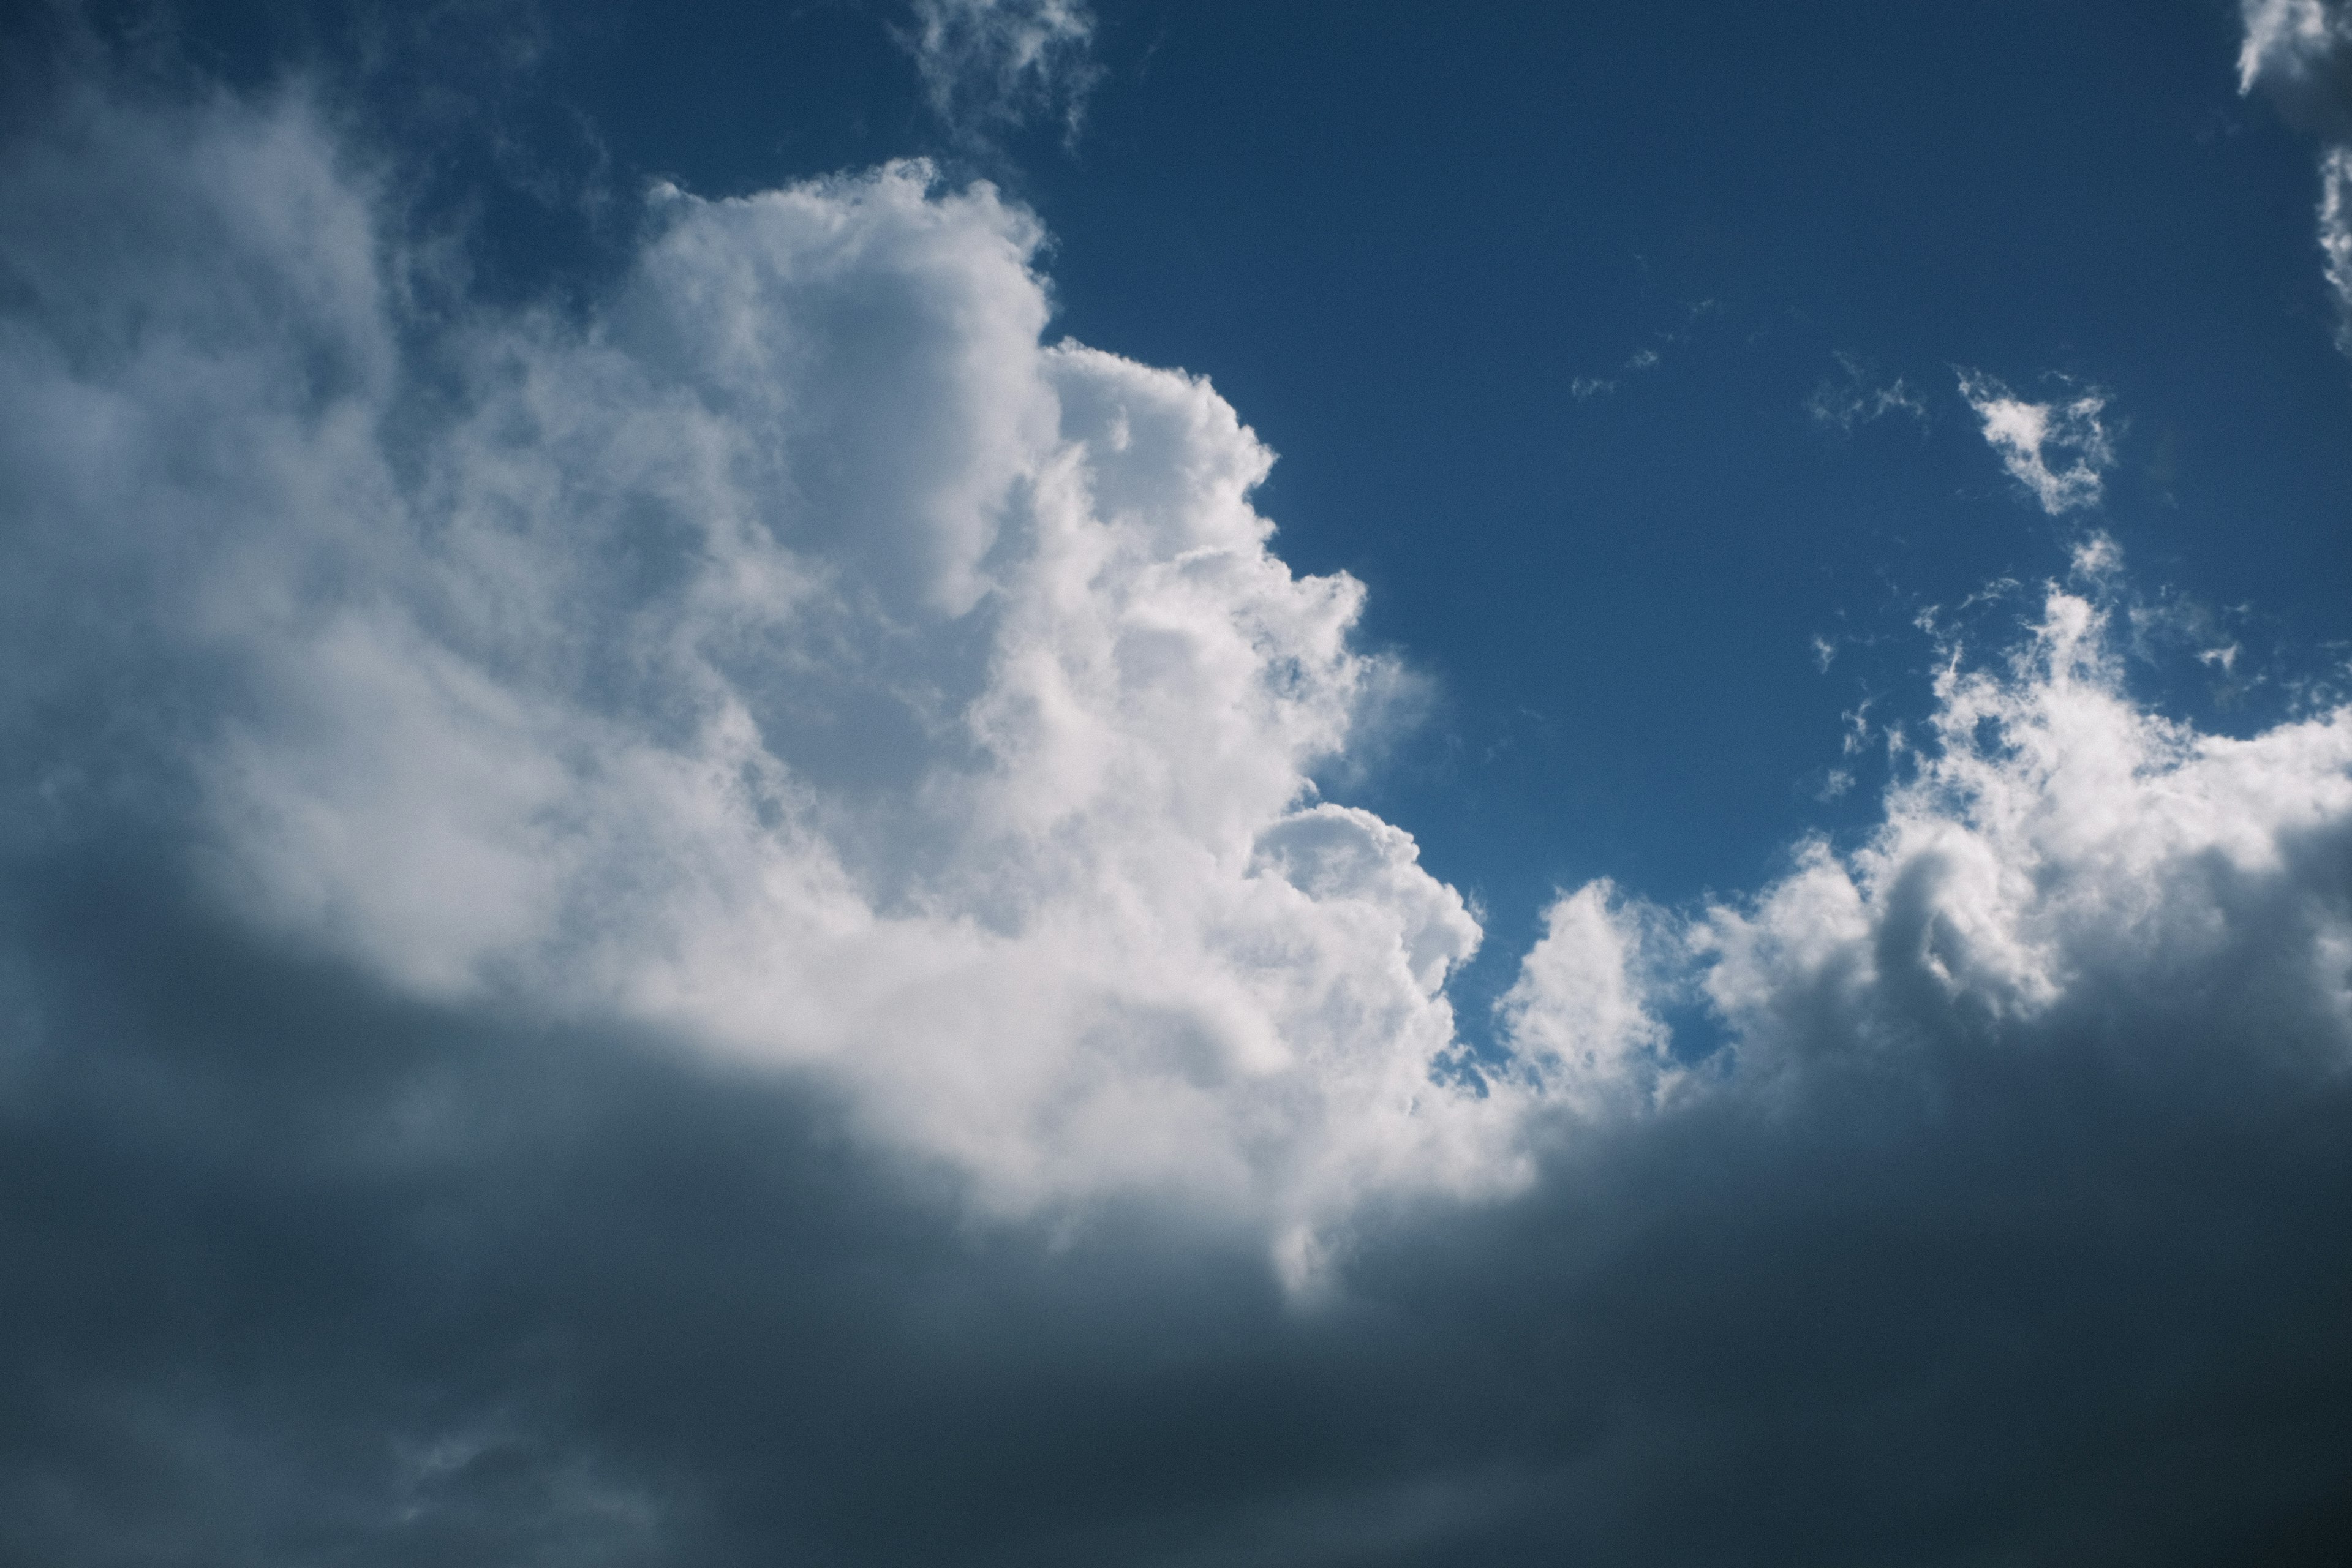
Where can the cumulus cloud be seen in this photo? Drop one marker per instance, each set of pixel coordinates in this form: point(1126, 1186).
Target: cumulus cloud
point(2054, 854)
point(2057, 848)
point(2060, 451)
point(989, 64)
point(632, 935)
point(799, 656)
point(2299, 54)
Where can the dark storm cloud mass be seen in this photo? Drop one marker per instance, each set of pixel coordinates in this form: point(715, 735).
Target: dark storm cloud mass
point(510, 1059)
point(299, 1270)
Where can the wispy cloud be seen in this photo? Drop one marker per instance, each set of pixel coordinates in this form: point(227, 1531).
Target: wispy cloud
point(1844, 403)
point(2298, 53)
point(2057, 450)
point(2336, 236)
point(987, 65)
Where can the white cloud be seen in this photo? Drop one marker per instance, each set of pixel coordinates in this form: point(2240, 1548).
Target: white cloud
point(2057, 450)
point(990, 63)
point(797, 655)
point(2060, 868)
point(1580, 1012)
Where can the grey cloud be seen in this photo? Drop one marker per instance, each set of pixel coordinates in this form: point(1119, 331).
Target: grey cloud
point(301, 1267)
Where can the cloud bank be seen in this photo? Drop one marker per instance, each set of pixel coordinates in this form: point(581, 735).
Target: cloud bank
point(643, 934)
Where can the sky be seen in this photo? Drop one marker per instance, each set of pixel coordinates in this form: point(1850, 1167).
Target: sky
point(1086, 781)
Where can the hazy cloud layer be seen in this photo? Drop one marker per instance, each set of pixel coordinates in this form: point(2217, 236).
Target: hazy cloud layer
point(699, 932)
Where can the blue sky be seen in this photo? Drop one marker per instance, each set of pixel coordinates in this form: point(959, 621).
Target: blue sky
point(1066, 781)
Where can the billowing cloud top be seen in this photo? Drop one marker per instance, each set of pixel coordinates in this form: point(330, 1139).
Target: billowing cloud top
point(798, 654)
point(796, 667)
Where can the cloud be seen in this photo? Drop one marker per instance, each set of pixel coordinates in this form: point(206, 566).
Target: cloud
point(633, 935)
point(1580, 1012)
point(2299, 53)
point(991, 64)
point(1841, 406)
point(2054, 848)
point(2336, 236)
point(2032, 438)
point(798, 657)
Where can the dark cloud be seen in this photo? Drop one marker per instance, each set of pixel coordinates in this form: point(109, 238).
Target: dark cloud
point(298, 1269)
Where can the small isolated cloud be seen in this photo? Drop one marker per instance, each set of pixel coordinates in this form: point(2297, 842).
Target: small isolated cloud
point(2299, 54)
point(991, 64)
point(1842, 404)
point(1585, 388)
point(2059, 450)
